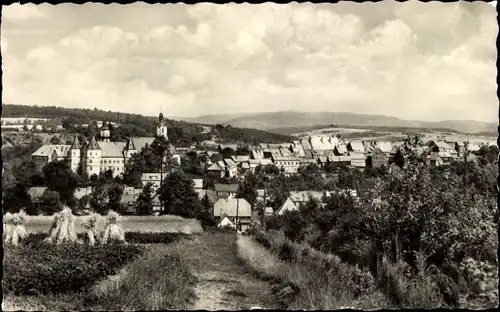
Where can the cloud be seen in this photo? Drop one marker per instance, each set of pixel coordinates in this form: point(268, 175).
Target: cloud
point(18, 11)
point(414, 63)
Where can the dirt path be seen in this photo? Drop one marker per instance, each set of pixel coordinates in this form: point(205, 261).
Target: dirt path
point(224, 283)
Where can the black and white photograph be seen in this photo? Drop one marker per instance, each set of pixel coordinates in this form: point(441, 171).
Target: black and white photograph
point(237, 156)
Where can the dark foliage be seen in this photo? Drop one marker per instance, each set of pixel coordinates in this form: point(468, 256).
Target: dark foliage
point(40, 269)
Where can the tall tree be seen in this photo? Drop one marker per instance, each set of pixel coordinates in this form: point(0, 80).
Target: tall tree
point(145, 201)
point(60, 178)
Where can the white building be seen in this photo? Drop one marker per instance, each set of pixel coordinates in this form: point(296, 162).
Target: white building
point(96, 156)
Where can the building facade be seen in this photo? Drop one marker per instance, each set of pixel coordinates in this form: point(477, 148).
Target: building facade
point(97, 155)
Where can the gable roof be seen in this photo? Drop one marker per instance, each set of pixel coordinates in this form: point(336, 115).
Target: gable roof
point(140, 142)
point(36, 192)
point(216, 167)
point(225, 219)
point(212, 195)
point(47, 150)
point(230, 188)
point(112, 149)
point(356, 146)
point(288, 205)
point(229, 206)
point(385, 146)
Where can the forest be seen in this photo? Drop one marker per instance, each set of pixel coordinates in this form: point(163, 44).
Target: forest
point(180, 133)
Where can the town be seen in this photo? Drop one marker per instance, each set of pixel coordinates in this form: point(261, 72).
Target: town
point(224, 157)
point(220, 170)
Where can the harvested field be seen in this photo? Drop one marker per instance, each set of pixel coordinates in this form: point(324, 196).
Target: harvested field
point(166, 223)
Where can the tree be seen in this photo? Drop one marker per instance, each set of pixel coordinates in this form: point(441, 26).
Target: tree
point(115, 192)
point(60, 178)
point(97, 200)
point(144, 202)
point(179, 198)
point(16, 197)
point(178, 195)
point(247, 188)
point(51, 202)
point(55, 140)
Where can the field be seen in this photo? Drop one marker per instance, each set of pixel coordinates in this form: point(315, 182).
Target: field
point(391, 135)
point(167, 223)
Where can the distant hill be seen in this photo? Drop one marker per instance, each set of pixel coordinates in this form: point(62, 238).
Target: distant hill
point(294, 119)
point(180, 132)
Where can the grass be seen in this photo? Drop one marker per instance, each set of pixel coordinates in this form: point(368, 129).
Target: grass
point(166, 223)
point(317, 289)
point(158, 280)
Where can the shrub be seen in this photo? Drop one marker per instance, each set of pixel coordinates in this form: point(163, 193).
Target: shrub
point(40, 269)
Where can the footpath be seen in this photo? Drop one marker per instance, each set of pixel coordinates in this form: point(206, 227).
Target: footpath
point(223, 282)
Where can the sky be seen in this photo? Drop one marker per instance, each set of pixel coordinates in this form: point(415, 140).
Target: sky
point(412, 60)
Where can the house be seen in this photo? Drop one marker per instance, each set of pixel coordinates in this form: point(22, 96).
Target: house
point(257, 154)
point(385, 147)
point(36, 194)
point(340, 150)
point(217, 169)
point(49, 153)
point(306, 146)
point(232, 208)
point(211, 194)
point(441, 146)
point(307, 161)
point(358, 159)
point(288, 205)
point(198, 185)
point(379, 158)
point(355, 146)
point(290, 165)
point(240, 158)
point(297, 149)
point(225, 190)
point(268, 211)
point(321, 143)
point(154, 178)
point(434, 160)
point(302, 197)
point(231, 168)
point(340, 160)
point(209, 144)
point(226, 222)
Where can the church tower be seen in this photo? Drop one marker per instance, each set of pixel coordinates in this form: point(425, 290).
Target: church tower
point(93, 159)
point(75, 154)
point(161, 130)
point(105, 132)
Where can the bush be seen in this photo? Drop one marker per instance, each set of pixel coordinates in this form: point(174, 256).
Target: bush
point(38, 268)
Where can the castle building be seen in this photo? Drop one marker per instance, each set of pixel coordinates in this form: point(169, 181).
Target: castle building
point(98, 155)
